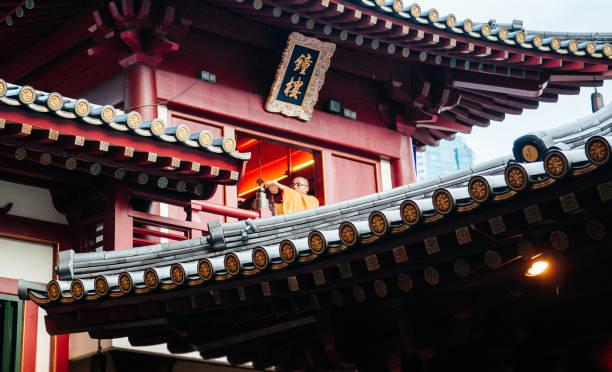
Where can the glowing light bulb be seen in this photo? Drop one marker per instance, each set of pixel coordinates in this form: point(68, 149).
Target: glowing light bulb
point(537, 268)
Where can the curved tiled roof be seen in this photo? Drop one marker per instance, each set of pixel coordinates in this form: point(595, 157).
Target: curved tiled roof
point(252, 247)
point(493, 69)
point(548, 42)
point(566, 137)
point(105, 115)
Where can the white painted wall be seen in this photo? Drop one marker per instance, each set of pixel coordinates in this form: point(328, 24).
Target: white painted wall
point(20, 259)
point(29, 201)
point(385, 173)
point(43, 344)
point(163, 211)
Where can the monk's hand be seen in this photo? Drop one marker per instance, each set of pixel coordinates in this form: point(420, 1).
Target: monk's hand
point(272, 186)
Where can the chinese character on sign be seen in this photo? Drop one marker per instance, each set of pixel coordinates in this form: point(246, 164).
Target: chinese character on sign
point(300, 76)
point(302, 63)
point(292, 88)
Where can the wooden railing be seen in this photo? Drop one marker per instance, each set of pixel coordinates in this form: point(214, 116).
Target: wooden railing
point(128, 227)
point(151, 229)
point(239, 213)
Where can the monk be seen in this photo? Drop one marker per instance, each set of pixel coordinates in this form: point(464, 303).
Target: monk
point(295, 197)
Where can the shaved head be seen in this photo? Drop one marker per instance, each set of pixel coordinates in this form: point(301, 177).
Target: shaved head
point(300, 184)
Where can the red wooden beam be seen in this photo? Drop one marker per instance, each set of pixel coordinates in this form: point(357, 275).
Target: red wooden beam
point(424, 136)
point(560, 89)
point(490, 104)
point(442, 134)
point(467, 117)
point(479, 110)
point(143, 231)
point(569, 65)
point(414, 116)
point(8, 285)
point(505, 99)
point(596, 67)
point(223, 210)
point(446, 123)
point(449, 99)
point(517, 87)
point(166, 221)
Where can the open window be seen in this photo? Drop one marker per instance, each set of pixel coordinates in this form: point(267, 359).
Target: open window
point(272, 161)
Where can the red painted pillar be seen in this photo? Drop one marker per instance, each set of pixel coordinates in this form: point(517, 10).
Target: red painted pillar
point(140, 87)
point(30, 327)
point(60, 353)
point(231, 192)
point(403, 170)
point(118, 225)
point(324, 177)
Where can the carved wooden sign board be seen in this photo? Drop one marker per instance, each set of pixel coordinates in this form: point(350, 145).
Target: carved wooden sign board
point(300, 76)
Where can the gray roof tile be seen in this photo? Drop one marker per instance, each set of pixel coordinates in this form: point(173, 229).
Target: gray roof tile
point(269, 232)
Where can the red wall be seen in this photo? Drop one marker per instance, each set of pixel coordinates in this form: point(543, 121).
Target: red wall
point(353, 178)
point(252, 69)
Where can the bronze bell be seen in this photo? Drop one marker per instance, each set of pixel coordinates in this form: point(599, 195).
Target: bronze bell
point(597, 101)
point(261, 200)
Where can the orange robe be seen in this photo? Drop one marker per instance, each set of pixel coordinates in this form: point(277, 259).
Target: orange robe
point(293, 201)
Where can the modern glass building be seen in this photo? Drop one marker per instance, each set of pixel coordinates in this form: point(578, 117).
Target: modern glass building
point(447, 157)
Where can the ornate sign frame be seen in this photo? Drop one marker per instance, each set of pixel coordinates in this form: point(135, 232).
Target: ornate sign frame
point(289, 97)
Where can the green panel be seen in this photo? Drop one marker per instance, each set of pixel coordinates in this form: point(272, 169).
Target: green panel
point(7, 336)
point(11, 316)
point(18, 335)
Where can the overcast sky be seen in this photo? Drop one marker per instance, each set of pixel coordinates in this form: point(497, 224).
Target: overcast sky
point(559, 15)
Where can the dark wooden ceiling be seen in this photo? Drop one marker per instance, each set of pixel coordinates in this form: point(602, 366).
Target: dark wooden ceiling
point(35, 24)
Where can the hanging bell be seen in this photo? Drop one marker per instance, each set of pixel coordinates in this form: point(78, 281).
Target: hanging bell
point(597, 101)
point(261, 201)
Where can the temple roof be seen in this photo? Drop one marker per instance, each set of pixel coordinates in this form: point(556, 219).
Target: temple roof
point(462, 73)
point(49, 129)
point(593, 45)
point(495, 68)
point(130, 123)
point(253, 248)
point(398, 26)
